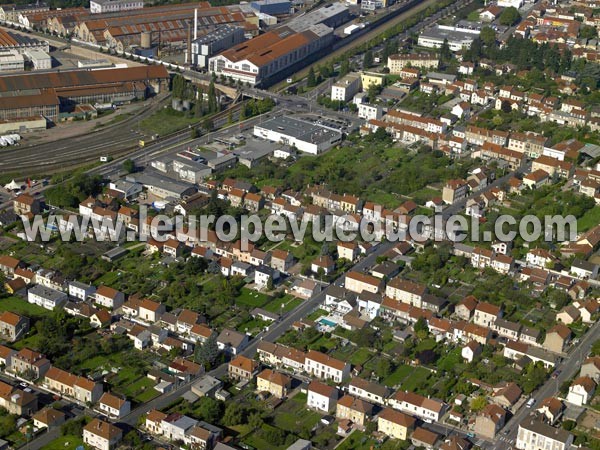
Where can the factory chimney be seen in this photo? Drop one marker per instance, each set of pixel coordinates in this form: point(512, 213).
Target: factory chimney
point(195, 23)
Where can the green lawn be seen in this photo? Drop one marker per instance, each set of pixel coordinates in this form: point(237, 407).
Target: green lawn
point(416, 379)
point(360, 356)
point(166, 121)
point(65, 443)
point(251, 298)
point(590, 219)
point(289, 303)
point(398, 375)
point(21, 306)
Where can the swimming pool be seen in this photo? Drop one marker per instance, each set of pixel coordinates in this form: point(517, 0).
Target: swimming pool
point(327, 322)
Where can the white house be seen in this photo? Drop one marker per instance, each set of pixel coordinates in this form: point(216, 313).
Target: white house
point(581, 391)
point(535, 435)
point(325, 367)
point(321, 397)
point(46, 297)
point(101, 435)
point(109, 298)
point(416, 405)
point(80, 290)
point(113, 406)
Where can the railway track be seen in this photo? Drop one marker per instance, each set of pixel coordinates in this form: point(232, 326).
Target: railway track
point(115, 142)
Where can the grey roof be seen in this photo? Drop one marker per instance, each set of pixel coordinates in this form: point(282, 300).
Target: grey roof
point(539, 427)
point(584, 265)
point(216, 34)
point(47, 293)
point(207, 384)
point(507, 324)
point(300, 129)
point(231, 337)
point(80, 285)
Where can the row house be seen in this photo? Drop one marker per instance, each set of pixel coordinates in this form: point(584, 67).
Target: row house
point(275, 383)
point(553, 166)
point(354, 409)
point(326, 367)
point(530, 143)
point(79, 388)
point(412, 120)
point(491, 151)
point(17, 401)
point(406, 291)
point(486, 314)
point(367, 390)
point(277, 355)
point(426, 409)
point(359, 282)
point(478, 136)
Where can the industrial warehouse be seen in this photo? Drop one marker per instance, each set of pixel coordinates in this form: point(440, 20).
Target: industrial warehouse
point(58, 95)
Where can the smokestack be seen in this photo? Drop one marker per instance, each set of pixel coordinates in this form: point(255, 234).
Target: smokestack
point(188, 54)
point(195, 23)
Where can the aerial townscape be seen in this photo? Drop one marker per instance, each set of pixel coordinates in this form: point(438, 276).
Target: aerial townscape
point(148, 149)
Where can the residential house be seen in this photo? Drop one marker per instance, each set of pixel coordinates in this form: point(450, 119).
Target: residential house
point(17, 401)
point(29, 364)
point(326, 367)
point(471, 351)
point(395, 424)
point(46, 297)
point(557, 338)
point(80, 290)
point(354, 409)
point(550, 409)
point(424, 408)
point(78, 388)
point(581, 391)
point(281, 260)
point(102, 435)
point(242, 368)
point(26, 205)
point(591, 368)
point(13, 326)
point(150, 311)
point(323, 263)
point(113, 406)
point(109, 298)
point(8, 265)
point(506, 394)
point(406, 291)
point(424, 438)
point(48, 418)
point(358, 282)
point(466, 308)
point(368, 390)
point(489, 421)
point(275, 383)
point(534, 434)
point(231, 341)
point(321, 397)
point(486, 314)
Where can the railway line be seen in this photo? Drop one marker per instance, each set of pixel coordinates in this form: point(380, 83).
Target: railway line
point(114, 141)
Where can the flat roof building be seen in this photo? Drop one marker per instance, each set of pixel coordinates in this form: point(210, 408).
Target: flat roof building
point(305, 136)
point(458, 38)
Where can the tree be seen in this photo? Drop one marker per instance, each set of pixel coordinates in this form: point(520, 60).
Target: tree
point(311, 80)
point(208, 124)
point(235, 414)
point(344, 67)
point(129, 166)
point(212, 98)
point(209, 409)
point(509, 16)
point(367, 59)
point(488, 36)
point(208, 352)
point(588, 32)
point(445, 52)
point(478, 403)
point(384, 368)
point(199, 105)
